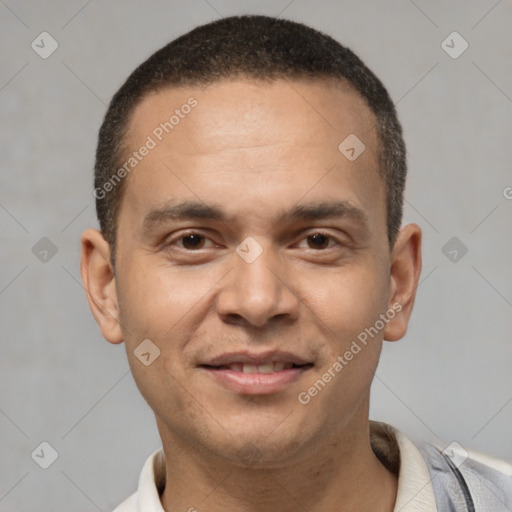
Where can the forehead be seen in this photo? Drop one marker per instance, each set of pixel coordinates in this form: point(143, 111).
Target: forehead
point(252, 136)
point(231, 111)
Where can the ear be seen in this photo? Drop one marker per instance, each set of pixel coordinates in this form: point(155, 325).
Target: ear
point(404, 276)
point(100, 285)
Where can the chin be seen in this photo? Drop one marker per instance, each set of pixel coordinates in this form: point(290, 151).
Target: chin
point(259, 444)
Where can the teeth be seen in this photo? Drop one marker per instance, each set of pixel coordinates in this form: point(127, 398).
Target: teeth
point(260, 368)
point(250, 368)
point(266, 368)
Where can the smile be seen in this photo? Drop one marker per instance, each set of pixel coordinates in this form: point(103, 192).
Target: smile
point(269, 367)
point(256, 374)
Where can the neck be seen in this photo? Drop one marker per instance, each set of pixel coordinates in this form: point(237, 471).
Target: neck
point(343, 474)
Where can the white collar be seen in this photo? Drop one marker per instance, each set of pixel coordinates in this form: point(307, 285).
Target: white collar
point(415, 492)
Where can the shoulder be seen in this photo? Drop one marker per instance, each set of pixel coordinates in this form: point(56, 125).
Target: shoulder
point(151, 484)
point(455, 478)
point(468, 477)
point(128, 505)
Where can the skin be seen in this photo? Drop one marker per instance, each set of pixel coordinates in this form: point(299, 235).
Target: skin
point(255, 150)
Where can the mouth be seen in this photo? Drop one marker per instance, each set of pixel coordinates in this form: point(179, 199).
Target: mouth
point(265, 368)
point(256, 374)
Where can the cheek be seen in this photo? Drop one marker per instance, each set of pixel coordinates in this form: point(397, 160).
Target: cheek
point(154, 299)
point(348, 300)
point(344, 308)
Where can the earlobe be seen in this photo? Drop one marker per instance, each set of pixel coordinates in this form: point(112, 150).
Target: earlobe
point(99, 282)
point(404, 276)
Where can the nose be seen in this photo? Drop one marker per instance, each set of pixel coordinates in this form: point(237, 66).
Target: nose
point(257, 292)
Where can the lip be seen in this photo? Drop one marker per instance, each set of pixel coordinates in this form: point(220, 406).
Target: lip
point(254, 358)
point(255, 383)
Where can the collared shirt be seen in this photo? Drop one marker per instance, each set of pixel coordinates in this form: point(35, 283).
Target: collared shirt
point(414, 494)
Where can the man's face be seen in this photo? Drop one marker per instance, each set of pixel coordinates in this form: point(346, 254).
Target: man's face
point(251, 309)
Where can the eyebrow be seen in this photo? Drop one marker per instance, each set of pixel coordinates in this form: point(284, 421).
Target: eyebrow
point(315, 210)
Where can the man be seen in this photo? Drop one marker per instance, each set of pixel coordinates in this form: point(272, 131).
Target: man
point(249, 183)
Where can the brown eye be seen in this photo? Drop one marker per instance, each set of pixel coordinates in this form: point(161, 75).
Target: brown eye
point(193, 241)
point(318, 240)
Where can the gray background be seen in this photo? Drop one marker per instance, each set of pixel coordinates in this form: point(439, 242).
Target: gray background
point(449, 380)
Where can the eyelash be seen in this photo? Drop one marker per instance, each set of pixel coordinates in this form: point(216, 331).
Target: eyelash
point(171, 241)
